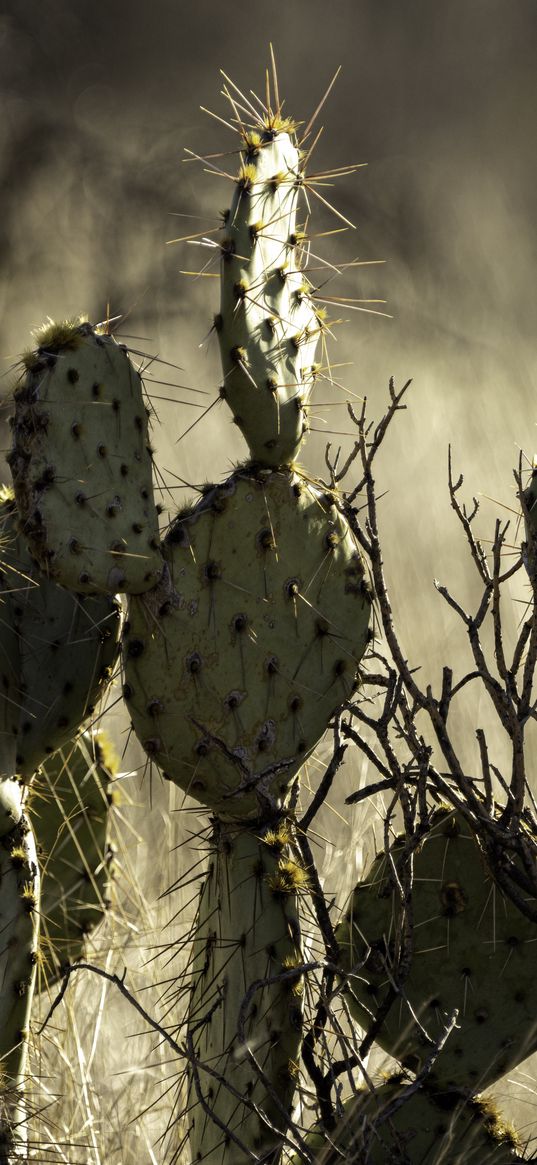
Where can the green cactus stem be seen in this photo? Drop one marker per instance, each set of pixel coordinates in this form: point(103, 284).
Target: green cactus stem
point(268, 325)
point(234, 668)
point(19, 914)
point(67, 646)
point(472, 951)
point(81, 463)
point(70, 808)
point(246, 947)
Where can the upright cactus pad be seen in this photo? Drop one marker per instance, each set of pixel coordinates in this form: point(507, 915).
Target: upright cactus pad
point(19, 916)
point(268, 325)
point(473, 950)
point(10, 681)
point(234, 671)
point(70, 811)
point(427, 1128)
point(68, 646)
point(246, 946)
point(81, 463)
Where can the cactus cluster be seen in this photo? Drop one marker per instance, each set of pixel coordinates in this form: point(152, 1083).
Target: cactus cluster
point(243, 632)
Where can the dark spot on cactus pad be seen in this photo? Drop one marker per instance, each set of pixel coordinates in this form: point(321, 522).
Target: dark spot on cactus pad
point(194, 663)
point(114, 507)
point(76, 429)
point(97, 390)
point(451, 827)
point(84, 578)
point(74, 546)
point(513, 941)
point(265, 539)
point(212, 571)
point(340, 667)
point(301, 746)
point(291, 588)
point(124, 470)
point(102, 450)
point(127, 692)
point(80, 498)
point(154, 707)
point(152, 745)
point(321, 628)
point(331, 540)
point(481, 1015)
point(135, 648)
point(72, 375)
point(272, 665)
point(62, 721)
point(272, 384)
point(116, 405)
point(240, 623)
point(519, 996)
point(137, 527)
point(453, 898)
point(201, 748)
point(295, 703)
point(144, 493)
point(297, 489)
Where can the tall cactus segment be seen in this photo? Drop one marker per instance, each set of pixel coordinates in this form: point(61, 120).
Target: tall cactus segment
point(393, 1124)
point(262, 630)
point(268, 325)
point(70, 810)
point(245, 1013)
point(19, 899)
point(10, 678)
point(81, 463)
point(472, 951)
point(67, 646)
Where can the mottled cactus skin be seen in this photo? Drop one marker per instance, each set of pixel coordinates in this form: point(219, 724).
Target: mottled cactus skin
point(68, 645)
point(248, 931)
point(429, 1128)
point(473, 950)
point(10, 675)
point(70, 809)
point(81, 463)
point(19, 924)
point(235, 667)
point(268, 325)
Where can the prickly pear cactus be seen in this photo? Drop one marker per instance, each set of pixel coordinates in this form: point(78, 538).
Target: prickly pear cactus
point(234, 668)
point(70, 810)
point(473, 951)
point(10, 679)
point(67, 645)
point(81, 463)
point(19, 918)
point(268, 325)
point(426, 1126)
point(246, 947)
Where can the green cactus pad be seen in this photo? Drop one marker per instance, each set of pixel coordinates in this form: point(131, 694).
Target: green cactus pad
point(247, 932)
point(10, 681)
point(427, 1129)
point(81, 463)
point(234, 670)
point(473, 950)
point(68, 646)
point(70, 811)
point(19, 917)
point(268, 325)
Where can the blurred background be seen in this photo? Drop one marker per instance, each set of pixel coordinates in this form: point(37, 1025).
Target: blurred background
point(99, 102)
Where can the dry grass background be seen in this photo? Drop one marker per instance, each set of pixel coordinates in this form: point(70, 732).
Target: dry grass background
point(97, 105)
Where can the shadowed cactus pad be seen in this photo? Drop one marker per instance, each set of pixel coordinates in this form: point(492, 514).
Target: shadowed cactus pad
point(70, 811)
point(247, 933)
point(68, 646)
point(234, 671)
point(473, 950)
point(428, 1128)
point(268, 325)
point(81, 463)
point(19, 922)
